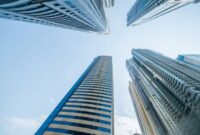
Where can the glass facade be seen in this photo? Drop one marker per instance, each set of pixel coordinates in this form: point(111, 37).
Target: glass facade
point(84, 15)
point(166, 94)
point(192, 60)
point(147, 10)
point(88, 107)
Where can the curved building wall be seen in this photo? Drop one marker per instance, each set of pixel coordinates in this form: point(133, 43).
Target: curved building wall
point(81, 15)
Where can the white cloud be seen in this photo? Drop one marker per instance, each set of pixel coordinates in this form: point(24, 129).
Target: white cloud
point(19, 126)
point(125, 125)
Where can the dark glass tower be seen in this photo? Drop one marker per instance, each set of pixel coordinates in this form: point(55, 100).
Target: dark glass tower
point(168, 91)
point(83, 15)
point(88, 107)
point(147, 10)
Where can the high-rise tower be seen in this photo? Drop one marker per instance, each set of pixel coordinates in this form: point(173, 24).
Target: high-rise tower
point(166, 94)
point(147, 10)
point(88, 107)
point(84, 15)
point(146, 124)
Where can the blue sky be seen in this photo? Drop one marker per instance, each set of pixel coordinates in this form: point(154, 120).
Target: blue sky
point(39, 64)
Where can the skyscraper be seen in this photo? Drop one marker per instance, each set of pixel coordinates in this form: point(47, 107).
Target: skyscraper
point(146, 124)
point(147, 10)
point(88, 107)
point(190, 59)
point(84, 15)
point(166, 94)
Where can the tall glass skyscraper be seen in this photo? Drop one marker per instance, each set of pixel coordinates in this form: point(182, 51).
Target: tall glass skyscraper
point(146, 10)
point(87, 109)
point(84, 15)
point(166, 94)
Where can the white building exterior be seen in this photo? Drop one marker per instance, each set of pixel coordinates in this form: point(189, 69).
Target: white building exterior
point(84, 15)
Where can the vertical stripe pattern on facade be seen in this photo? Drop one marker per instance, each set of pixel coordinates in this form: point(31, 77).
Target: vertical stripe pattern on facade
point(89, 107)
point(147, 125)
point(169, 90)
point(83, 15)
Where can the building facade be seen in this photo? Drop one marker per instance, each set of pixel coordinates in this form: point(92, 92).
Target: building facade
point(190, 59)
point(146, 124)
point(165, 93)
point(83, 15)
point(146, 10)
point(88, 107)
point(109, 3)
